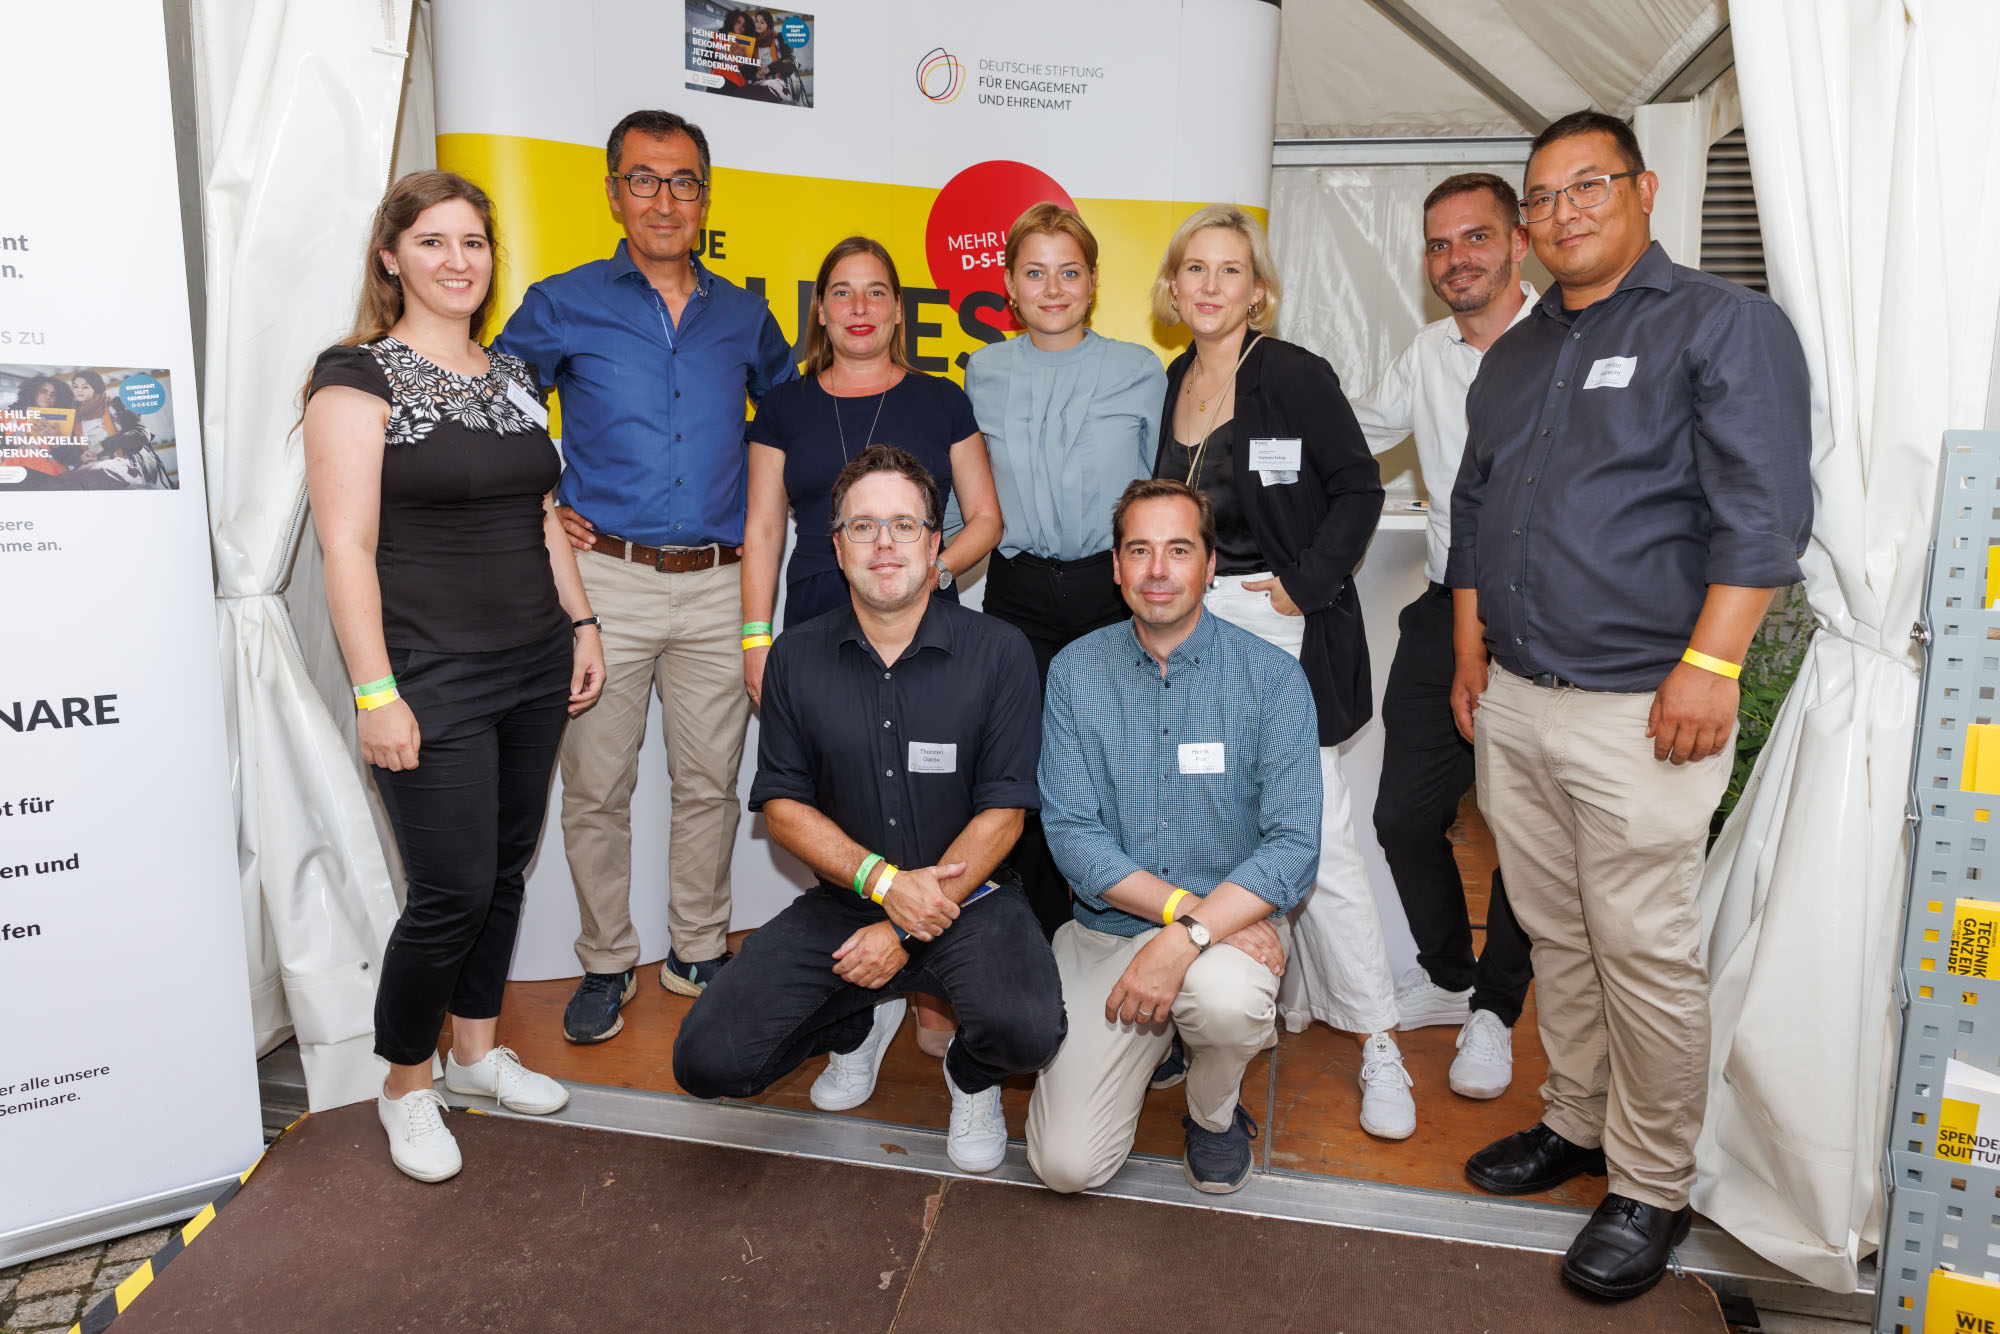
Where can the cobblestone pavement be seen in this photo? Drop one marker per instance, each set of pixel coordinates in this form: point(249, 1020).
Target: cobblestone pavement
point(52, 1293)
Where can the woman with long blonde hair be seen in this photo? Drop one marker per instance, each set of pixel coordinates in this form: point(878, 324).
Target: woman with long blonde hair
point(1261, 427)
point(465, 629)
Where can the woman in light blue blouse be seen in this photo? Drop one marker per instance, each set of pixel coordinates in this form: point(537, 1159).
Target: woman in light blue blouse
point(1069, 418)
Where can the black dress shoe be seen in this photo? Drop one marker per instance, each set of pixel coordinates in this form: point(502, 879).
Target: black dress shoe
point(1623, 1249)
point(1532, 1160)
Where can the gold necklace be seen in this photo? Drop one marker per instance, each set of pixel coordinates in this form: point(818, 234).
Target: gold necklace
point(1201, 399)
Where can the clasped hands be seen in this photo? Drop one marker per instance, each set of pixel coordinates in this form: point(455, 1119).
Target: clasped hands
point(918, 903)
point(1144, 993)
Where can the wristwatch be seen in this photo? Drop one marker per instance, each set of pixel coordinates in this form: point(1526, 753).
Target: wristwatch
point(1197, 933)
point(944, 574)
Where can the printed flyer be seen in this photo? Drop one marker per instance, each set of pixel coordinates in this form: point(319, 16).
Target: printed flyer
point(765, 55)
point(86, 428)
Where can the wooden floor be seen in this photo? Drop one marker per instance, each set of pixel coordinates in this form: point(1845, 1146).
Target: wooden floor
point(1314, 1126)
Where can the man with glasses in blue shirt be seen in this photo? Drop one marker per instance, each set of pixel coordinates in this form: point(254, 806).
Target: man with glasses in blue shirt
point(1181, 795)
point(653, 356)
point(1635, 487)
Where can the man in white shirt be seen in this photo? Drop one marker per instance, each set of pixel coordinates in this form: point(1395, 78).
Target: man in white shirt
point(1473, 243)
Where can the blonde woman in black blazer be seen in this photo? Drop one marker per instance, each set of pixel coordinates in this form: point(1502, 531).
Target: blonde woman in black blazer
point(1261, 426)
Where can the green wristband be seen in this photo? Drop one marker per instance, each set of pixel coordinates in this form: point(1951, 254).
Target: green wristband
point(756, 627)
point(375, 687)
point(861, 876)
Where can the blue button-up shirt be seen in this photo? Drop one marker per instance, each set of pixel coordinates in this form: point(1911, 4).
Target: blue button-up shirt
point(1620, 459)
point(652, 414)
point(1207, 773)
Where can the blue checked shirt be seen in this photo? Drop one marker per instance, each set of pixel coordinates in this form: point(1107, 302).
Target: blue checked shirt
point(1208, 773)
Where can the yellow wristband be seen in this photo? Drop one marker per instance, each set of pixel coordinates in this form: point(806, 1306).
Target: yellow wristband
point(882, 883)
point(1167, 912)
point(376, 700)
point(756, 641)
point(1732, 670)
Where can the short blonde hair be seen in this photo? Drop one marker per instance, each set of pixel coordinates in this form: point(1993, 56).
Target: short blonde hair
point(1046, 219)
point(1264, 316)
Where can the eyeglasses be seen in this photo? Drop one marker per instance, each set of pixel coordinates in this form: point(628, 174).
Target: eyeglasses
point(645, 185)
point(1587, 193)
point(861, 528)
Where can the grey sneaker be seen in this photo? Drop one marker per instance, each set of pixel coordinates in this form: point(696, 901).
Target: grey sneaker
point(1219, 1162)
point(592, 1014)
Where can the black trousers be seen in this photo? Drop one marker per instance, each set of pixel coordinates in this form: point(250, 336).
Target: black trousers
point(1426, 768)
point(1054, 603)
point(780, 1003)
point(467, 820)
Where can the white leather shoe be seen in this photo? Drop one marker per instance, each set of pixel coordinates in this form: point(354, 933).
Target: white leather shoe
point(1387, 1109)
point(419, 1143)
point(500, 1075)
point(849, 1077)
point(1484, 1065)
point(1421, 1002)
point(978, 1138)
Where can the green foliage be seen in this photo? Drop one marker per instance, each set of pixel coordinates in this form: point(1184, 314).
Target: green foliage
point(1768, 672)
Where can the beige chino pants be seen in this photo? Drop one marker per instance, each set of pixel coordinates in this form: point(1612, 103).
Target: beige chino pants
point(679, 634)
point(1602, 847)
point(1085, 1110)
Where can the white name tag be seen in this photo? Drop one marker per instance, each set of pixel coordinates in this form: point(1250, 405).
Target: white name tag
point(1202, 757)
point(525, 401)
point(1275, 456)
point(933, 757)
point(1611, 373)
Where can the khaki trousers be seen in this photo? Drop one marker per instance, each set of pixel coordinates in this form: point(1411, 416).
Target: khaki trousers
point(1085, 1109)
point(1602, 846)
point(678, 634)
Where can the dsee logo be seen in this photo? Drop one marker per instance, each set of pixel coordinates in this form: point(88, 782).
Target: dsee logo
point(940, 76)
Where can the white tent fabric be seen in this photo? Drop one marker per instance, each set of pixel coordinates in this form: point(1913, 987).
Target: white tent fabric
point(1874, 132)
point(301, 100)
point(1346, 70)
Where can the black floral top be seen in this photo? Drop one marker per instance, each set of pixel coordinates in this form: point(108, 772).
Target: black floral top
point(460, 552)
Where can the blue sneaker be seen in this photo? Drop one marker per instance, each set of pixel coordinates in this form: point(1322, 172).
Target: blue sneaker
point(1218, 1162)
point(1172, 1070)
point(690, 979)
point(592, 1014)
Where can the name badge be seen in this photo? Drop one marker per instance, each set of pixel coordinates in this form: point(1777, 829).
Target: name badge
point(933, 757)
point(1202, 757)
point(1274, 456)
point(1611, 373)
point(525, 401)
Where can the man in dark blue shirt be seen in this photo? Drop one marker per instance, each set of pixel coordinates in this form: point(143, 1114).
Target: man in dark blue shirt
point(1634, 489)
point(652, 356)
point(897, 760)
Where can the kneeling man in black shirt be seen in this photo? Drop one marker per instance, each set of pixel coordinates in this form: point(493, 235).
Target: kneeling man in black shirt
point(896, 759)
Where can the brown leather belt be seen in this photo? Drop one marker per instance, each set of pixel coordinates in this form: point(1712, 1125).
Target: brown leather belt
point(668, 560)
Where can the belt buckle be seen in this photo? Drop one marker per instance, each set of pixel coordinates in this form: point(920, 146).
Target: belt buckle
point(660, 560)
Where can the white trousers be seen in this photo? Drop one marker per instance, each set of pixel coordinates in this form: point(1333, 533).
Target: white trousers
point(1338, 971)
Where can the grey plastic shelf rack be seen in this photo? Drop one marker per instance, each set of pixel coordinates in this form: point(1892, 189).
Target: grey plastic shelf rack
point(1943, 1214)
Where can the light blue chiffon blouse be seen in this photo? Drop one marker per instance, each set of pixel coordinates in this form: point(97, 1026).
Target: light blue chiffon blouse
point(1065, 432)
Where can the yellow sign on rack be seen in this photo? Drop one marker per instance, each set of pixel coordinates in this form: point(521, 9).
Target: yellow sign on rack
point(1981, 772)
point(1961, 1304)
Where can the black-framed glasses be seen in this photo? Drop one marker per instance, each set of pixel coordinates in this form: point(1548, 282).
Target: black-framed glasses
point(1586, 193)
point(645, 185)
point(862, 528)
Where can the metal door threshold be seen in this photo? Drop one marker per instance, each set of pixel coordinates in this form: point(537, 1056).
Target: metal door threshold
point(1271, 1193)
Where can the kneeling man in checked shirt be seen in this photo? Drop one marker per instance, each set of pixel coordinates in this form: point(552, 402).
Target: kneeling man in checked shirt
point(1181, 797)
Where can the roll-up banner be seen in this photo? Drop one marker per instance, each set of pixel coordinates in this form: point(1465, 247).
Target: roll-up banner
point(929, 126)
point(128, 1091)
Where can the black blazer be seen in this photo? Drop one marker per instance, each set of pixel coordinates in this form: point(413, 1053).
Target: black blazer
point(1313, 531)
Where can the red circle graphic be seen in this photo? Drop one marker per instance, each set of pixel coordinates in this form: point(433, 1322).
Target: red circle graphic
point(965, 238)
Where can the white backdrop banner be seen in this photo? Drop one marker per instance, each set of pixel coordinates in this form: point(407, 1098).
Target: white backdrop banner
point(128, 1091)
point(929, 127)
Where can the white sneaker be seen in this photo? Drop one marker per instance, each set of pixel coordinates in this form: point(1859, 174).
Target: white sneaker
point(500, 1075)
point(849, 1078)
point(1484, 1065)
point(1421, 1002)
point(978, 1138)
point(418, 1141)
point(1387, 1109)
